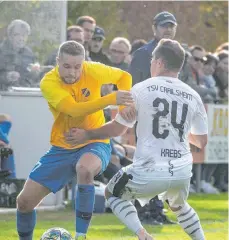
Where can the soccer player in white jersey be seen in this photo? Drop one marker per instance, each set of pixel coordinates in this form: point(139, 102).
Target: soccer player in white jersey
point(170, 115)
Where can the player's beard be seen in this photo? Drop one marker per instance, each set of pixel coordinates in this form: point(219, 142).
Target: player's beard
point(70, 80)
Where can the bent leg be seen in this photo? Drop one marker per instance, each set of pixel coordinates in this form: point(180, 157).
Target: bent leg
point(87, 168)
point(91, 160)
point(120, 204)
point(189, 221)
point(186, 215)
point(27, 200)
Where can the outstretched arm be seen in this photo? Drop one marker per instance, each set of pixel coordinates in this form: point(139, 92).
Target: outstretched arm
point(74, 109)
point(112, 129)
point(62, 100)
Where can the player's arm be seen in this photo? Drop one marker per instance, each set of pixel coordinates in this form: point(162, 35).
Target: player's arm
point(125, 119)
point(199, 141)
point(199, 127)
point(110, 75)
point(65, 103)
point(111, 129)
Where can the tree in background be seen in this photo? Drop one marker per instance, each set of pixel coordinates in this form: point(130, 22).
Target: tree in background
point(214, 16)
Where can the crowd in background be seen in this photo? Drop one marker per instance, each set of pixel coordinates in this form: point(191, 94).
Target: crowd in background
point(206, 72)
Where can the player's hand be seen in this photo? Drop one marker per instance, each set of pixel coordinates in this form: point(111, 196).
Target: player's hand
point(129, 113)
point(76, 136)
point(124, 98)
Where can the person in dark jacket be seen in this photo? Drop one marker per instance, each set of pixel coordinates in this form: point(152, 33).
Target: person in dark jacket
point(164, 26)
point(95, 47)
point(16, 57)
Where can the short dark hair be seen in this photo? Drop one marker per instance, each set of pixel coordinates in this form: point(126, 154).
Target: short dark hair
point(73, 28)
point(210, 57)
point(172, 54)
point(222, 54)
point(137, 44)
point(81, 20)
point(196, 47)
point(71, 48)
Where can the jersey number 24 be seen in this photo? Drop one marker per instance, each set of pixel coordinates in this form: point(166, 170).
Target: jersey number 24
point(164, 113)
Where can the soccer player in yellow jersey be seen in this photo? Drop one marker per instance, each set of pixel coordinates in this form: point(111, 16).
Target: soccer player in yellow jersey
point(72, 90)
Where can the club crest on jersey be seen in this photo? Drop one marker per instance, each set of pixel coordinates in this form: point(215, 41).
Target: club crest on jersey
point(85, 92)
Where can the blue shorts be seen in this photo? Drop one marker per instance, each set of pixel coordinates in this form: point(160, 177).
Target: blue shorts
point(58, 166)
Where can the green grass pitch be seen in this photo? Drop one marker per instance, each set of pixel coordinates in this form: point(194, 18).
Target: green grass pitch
point(212, 210)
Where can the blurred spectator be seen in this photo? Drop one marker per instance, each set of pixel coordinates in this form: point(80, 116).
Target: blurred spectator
point(192, 72)
point(209, 68)
point(196, 62)
point(95, 47)
point(164, 26)
point(138, 43)
point(185, 74)
point(224, 46)
point(119, 49)
point(221, 74)
point(88, 24)
point(74, 33)
point(16, 59)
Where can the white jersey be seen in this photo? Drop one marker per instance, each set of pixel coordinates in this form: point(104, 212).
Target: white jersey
point(167, 111)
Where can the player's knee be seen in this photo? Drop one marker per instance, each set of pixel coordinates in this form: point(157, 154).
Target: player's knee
point(175, 208)
point(23, 205)
point(84, 174)
point(119, 183)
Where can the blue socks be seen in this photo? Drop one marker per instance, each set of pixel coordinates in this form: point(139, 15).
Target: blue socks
point(85, 197)
point(25, 224)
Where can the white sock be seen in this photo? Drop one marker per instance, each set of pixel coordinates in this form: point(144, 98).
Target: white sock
point(126, 212)
point(190, 222)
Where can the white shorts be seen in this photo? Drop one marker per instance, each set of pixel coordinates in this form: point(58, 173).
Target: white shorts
point(175, 191)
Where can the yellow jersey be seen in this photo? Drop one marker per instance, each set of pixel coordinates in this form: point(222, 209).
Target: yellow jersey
point(80, 104)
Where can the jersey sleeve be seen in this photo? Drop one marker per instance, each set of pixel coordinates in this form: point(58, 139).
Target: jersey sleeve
point(120, 119)
point(110, 75)
point(199, 124)
point(52, 91)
